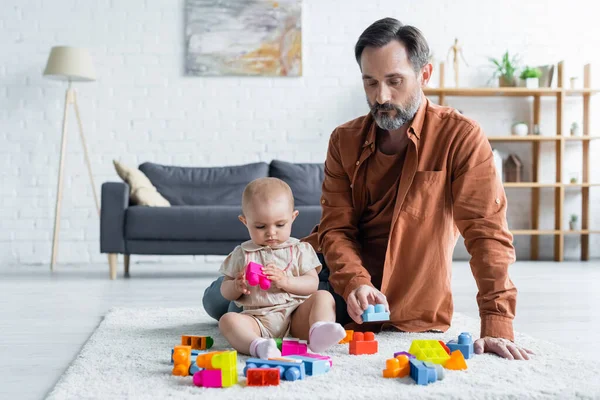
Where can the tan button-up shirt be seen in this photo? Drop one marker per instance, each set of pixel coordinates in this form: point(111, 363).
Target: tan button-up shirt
point(449, 184)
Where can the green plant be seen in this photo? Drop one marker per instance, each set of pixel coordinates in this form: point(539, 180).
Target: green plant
point(573, 180)
point(573, 218)
point(505, 66)
point(529, 72)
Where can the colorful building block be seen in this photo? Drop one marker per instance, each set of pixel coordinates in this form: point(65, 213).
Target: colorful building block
point(255, 276)
point(294, 346)
point(291, 370)
point(445, 347)
point(397, 367)
point(194, 354)
point(279, 342)
point(182, 359)
point(404, 353)
point(194, 368)
point(197, 342)
point(313, 366)
point(319, 357)
point(348, 337)
point(464, 344)
point(429, 350)
point(375, 313)
point(205, 360)
point(262, 377)
point(363, 343)
point(421, 373)
point(210, 378)
point(439, 370)
point(456, 362)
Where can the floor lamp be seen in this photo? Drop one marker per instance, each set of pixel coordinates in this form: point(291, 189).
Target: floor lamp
point(69, 64)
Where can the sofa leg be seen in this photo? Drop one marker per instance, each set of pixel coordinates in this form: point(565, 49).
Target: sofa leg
point(112, 264)
point(126, 265)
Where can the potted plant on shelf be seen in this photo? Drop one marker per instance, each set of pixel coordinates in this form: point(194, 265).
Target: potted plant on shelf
point(573, 222)
point(531, 77)
point(520, 128)
point(504, 69)
point(574, 129)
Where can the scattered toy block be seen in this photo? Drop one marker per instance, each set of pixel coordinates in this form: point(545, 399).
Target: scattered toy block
point(294, 347)
point(404, 353)
point(464, 344)
point(456, 362)
point(226, 361)
point(182, 359)
point(279, 342)
point(197, 342)
point(397, 367)
point(363, 343)
point(194, 368)
point(421, 373)
point(445, 347)
point(429, 350)
point(262, 377)
point(205, 360)
point(319, 357)
point(313, 366)
point(291, 370)
point(348, 338)
point(437, 368)
point(375, 313)
point(194, 354)
point(255, 276)
point(210, 378)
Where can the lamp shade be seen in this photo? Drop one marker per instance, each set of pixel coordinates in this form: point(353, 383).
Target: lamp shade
point(70, 63)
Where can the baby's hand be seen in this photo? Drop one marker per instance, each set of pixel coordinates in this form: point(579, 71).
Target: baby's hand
point(240, 283)
point(277, 276)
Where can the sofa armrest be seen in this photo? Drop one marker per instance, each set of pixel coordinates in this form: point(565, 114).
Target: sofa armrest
point(115, 200)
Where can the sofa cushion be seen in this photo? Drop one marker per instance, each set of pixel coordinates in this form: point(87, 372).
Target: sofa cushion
point(203, 186)
point(141, 190)
point(306, 220)
point(207, 223)
point(304, 179)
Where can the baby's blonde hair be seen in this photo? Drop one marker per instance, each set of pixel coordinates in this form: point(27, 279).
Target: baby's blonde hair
point(265, 189)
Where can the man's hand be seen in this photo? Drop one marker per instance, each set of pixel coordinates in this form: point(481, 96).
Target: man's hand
point(240, 283)
point(275, 275)
point(502, 347)
point(360, 298)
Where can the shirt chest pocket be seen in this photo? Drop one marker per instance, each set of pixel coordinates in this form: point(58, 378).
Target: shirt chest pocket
point(425, 196)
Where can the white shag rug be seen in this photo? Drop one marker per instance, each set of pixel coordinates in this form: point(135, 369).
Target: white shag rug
point(128, 357)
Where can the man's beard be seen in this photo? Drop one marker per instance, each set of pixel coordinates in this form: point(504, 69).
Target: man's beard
point(403, 115)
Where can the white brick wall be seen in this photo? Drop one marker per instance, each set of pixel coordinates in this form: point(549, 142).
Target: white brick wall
point(143, 108)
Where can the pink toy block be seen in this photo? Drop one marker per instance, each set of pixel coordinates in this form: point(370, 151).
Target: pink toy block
point(291, 347)
point(208, 378)
point(254, 276)
point(319, 357)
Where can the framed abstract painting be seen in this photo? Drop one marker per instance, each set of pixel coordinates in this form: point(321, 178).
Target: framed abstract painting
point(250, 37)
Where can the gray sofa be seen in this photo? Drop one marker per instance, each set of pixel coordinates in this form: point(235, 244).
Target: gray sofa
point(205, 204)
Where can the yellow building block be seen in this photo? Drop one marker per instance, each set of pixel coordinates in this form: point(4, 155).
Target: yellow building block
point(429, 350)
point(226, 361)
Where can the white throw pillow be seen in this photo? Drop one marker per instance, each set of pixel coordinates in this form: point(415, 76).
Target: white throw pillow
point(142, 191)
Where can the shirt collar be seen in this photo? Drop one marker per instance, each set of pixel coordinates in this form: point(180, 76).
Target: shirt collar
point(251, 246)
point(415, 127)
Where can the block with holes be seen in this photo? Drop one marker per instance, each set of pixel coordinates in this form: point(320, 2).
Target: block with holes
point(363, 343)
point(197, 342)
point(429, 350)
point(290, 370)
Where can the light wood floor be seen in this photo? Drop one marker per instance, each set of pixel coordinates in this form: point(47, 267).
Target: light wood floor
point(45, 319)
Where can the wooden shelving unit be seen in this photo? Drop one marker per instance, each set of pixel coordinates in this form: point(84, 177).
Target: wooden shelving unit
point(559, 93)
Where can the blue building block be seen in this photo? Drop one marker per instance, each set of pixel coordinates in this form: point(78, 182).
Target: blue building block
point(375, 313)
point(421, 373)
point(464, 344)
point(313, 366)
point(290, 371)
point(438, 369)
point(194, 368)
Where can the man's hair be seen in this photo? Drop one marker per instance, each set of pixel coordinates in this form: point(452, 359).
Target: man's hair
point(264, 189)
point(385, 30)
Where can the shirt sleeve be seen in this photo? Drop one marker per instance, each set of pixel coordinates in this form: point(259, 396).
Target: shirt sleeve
point(338, 229)
point(479, 208)
point(307, 258)
point(234, 263)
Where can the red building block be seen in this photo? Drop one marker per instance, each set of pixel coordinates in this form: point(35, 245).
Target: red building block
point(363, 343)
point(262, 377)
point(445, 347)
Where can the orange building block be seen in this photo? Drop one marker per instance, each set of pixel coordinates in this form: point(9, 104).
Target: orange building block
point(456, 362)
point(204, 360)
point(182, 358)
point(197, 342)
point(363, 343)
point(348, 338)
point(398, 367)
point(262, 377)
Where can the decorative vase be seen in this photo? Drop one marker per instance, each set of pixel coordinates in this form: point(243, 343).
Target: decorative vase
point(520, 129)
point(507, 81)
point(546, 79)
point(532, 83)
point(573, 225)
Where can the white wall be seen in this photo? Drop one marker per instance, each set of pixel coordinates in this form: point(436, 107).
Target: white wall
point(143, 108)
